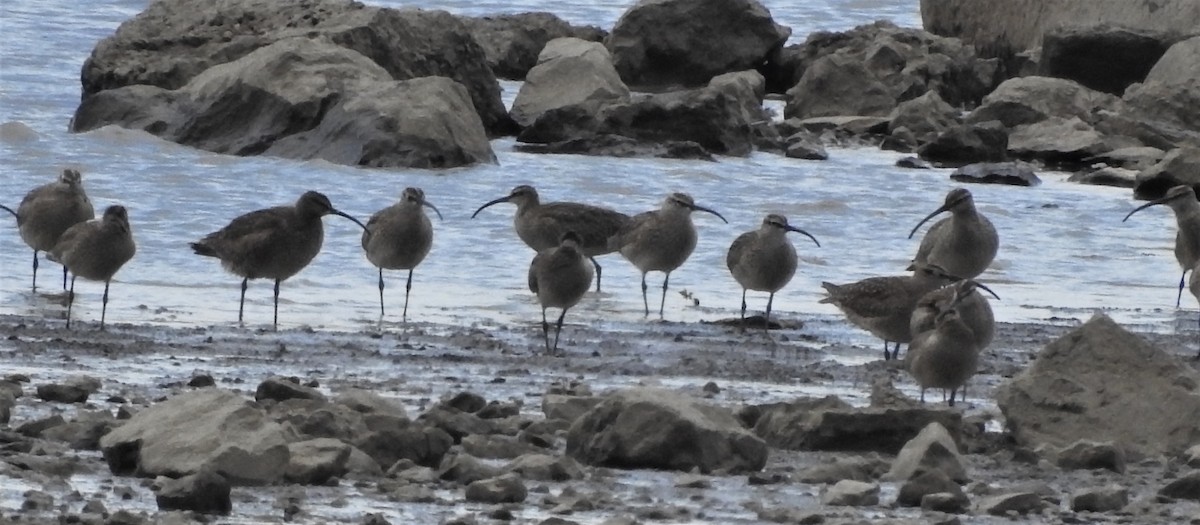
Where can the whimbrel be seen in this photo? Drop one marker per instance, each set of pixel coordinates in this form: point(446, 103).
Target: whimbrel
point(884, 305)
point(95, 250)
point(559, 277)
point(660, 240)
point(965, 243)
point(48, 210)
point(1181, 200)
point(764, 260)
point(399, 237)
point(945, 357)
point(541, 226)
point(973, 308)
point(273, 243)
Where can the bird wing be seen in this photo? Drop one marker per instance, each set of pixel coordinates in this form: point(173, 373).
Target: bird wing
point(250, 225)
point(871, 297)
point(593, 224)
point(625, 233)
point(737, 248)
point(70, 238)
point(931, 239)
point(533, 282)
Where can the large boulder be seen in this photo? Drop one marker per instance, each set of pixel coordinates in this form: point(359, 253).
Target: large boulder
point(687, 42)
point(838, 84)
point(908, 61)
point(925, 117)
point(512, 42)
point(967, 143)
point(1017, 25)
point(1100, 382)
point(207, 429)
point(826, 425)
point(1164, 110)
point(1104, 58)
point(172, 41)
point(569, 71)
point(1026, 100)
point(305, 98)
point(660, 429)
point(1178, 166)
point(1056, 140)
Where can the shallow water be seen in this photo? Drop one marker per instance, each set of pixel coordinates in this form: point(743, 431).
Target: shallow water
point(1064, 251)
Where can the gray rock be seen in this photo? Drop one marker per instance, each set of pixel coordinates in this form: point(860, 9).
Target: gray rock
point(1106, 176)
point(507, 488)
point(569, 71)
point(465, 469)
point(7, 402)
point(1085, 454)
point(850, 493)
point(207, 429)
point(858, 468)
point(931, 449)
point(913, 491)
point(62, 393)
point(687, 42)
point(1018, 502)
point(1186, 486)
point(1103, 383)
point(803, 426)
point(926, 116)
point(367, 402)
point(1164, 111)
point(361, 465)
point(1099, 499)
point(1011, 173)
point(1133, 158)
point(967, 143)
point(835, 85)
point(84, 431)
point(543, 467)
point(853, 125)
point(1025, 100)
point(205, 492)
point(1056, 140)
point(1102, 57)
point(496, 447)
point(948, 502)
point(612, 145)
point(418, 443)
point(319, 419)
point(802, 146)
point(512, 42)
point(315, 461)
point(283, 388)
point(748, 88)
point(651, 428)
point(914, 163)
point(469, 402)
point(1191, 457)
point(37, 427)
point(455, 422)
point(1178, 166)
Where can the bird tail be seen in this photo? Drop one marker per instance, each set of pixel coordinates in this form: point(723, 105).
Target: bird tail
point(831, 288)
point(203, 249)
point(10, 210)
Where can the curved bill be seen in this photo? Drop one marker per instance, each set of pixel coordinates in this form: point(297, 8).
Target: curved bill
point(10, 210)
point(978, 284)
point(798, 230)
point(426, 204)
point(348, 216)
point(926, 219)
point(489, 203)
point(1154, 202)
point(696, 207)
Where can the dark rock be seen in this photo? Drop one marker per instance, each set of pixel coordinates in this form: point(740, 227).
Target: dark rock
point(201, 381)
point(1164, 111)
point(802, 146)
point(62, 393)
point(1011, 173)
point(932, 449)
point(1186, 486)
point(1191, 457)
point(1101, 57)
point(83, 432)
point(7, 402)
point(315, 461)
point(496, 447)
point(469, 402)
point(423, 445)
point(853, 126)
point(543, 467)
point(1100, 382)
point(319, 419)
point(465, 469)
point(507, 488)
point(498, 410)
point(913, 163)
point(926, 116)
point(948, 502)
point(838, 85)
point(967, 143)
point(36, 427)
point(687, 42)
point(1103, 499)
point(368, 402)
point(375, 518)
point(650, 428)
point(283, 388)
point(205, 492)
point(1086, 454)
point(851, 493)
point(1056, 141)
point(858, 468)
point(930, 482)
point(456, 423)
point(1018, 502)
point(1107, 176)
point(512, 42)
point(200, 430)
point(1133, 158)
point(801, 427)
point(1026, 100)
point(1179, 166)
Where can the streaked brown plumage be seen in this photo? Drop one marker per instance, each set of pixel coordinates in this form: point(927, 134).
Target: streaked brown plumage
point(973, 308)
point(95, 250)
point(963, 244)
point(764, 260)
point(1182, 201)
point(660, 240)
point(884, 305)
point(945, 357)
point(541, 226)
point(399, 237)
point(273, 243)
point(559, 277)
point(49, 210)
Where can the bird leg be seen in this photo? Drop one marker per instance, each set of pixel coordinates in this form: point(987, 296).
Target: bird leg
point(644, 302)
point(242, 302)
point(35, 270)
point(743, 310)
point(381, 293)
point(104, 305)
point(922, 392)
point(663, 303)
point(557, 331)
point(886, 355)
point(70, 302)
point(275, 319)
point(545, 330)
point(598, 272)
point(1179, 298)
point(952, 392)
point(767, 323)
point(407, 289)
point(64, 277)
